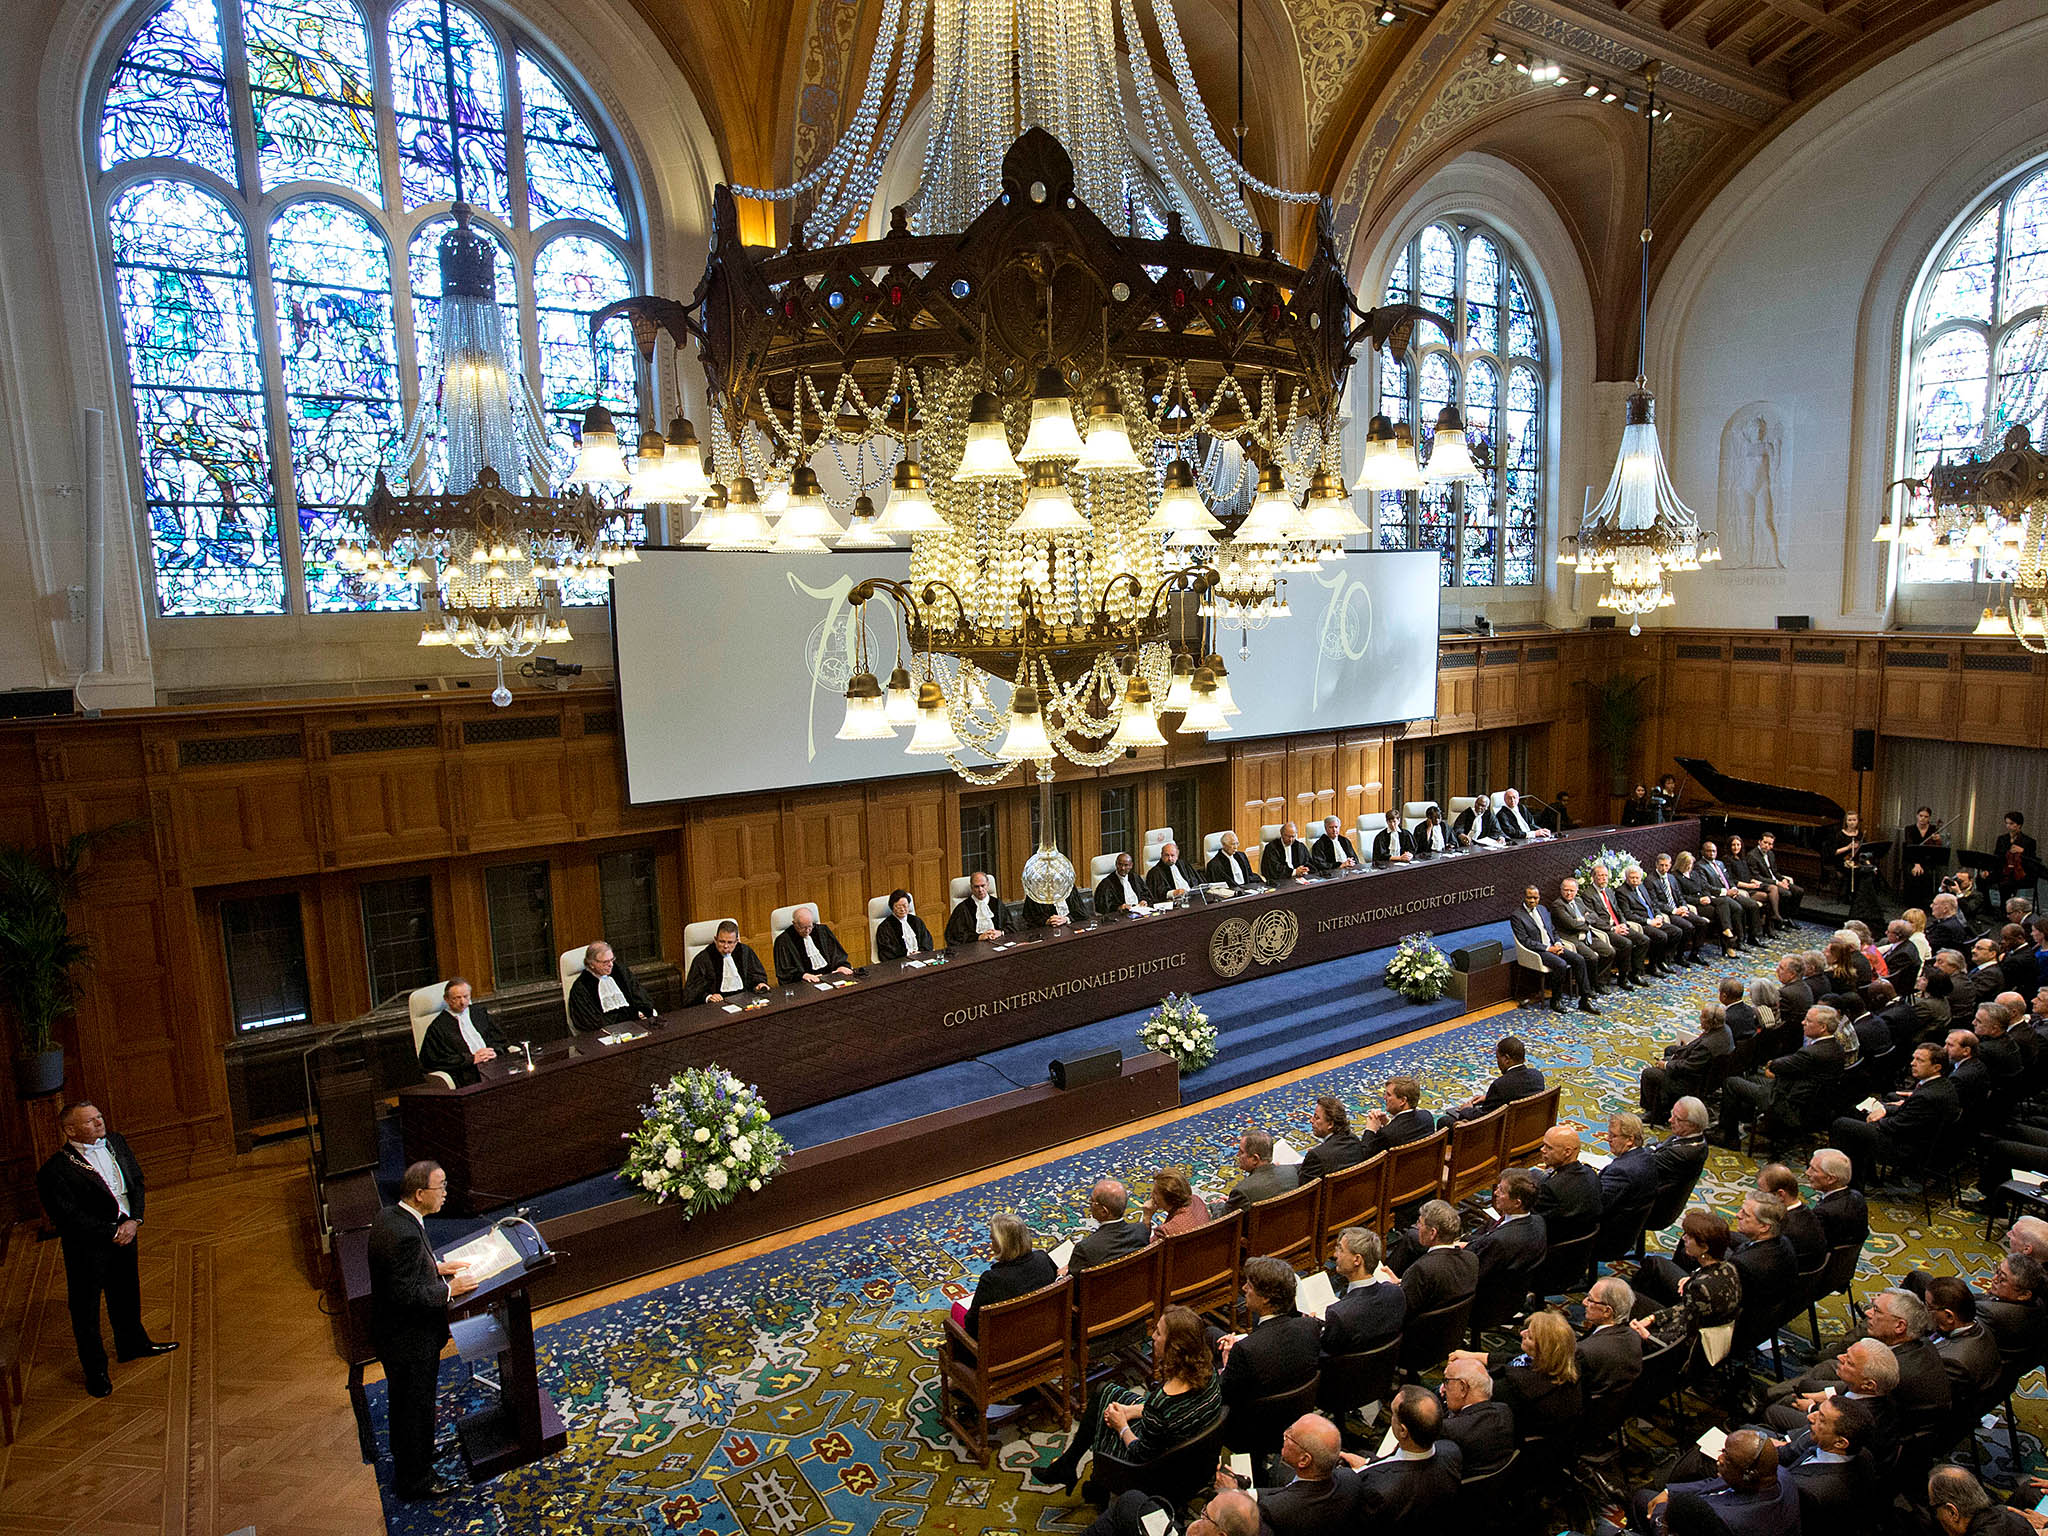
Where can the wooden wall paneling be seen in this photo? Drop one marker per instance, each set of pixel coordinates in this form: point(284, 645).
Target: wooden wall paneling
point(1920, 682)
point(1258, 788)
point(468, 952)
point(1498, 699)
point(669, 886)
point(516, 794)
point(1999, 698)
point(1457, 690)
point(1311, 781)
point(1362, 759)
point(579, 901)
point(825, 837)
point(736, 867)
point(372, 807)
point(334, 928)
point(907, 845)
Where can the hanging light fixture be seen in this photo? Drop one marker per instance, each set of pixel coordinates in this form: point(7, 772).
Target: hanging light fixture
point(1139, 726)
point(1106, 450)
point(1052, 435)
point(863, 532)
point(1048, 510)
point(1641, 532)
point(1450, 458)
point(986, 457)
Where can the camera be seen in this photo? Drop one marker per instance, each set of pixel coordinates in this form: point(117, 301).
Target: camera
point(547, 666)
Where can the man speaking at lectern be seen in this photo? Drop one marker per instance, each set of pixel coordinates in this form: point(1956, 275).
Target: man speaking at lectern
point(409, 1296)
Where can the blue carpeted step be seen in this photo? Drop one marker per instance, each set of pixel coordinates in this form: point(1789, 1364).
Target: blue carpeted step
point(892, 1103)
point(1236, 1069)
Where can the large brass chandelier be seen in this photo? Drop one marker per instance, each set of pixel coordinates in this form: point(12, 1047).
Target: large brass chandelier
point(1640, 533)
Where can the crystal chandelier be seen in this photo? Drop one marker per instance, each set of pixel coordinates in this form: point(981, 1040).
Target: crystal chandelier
point(1640, 533)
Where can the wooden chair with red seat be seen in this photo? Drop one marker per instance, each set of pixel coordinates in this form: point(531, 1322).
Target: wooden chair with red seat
point(1528, 1119)
point(1354, 1197)
point(1287, 1227)
point(1415, 1172)
point(1018, 1346)
point(1204, 1266)
point(1113, 1303)
point(1477, 1147)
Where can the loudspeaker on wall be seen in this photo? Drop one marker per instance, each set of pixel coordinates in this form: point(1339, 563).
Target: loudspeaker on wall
point(1862, 751)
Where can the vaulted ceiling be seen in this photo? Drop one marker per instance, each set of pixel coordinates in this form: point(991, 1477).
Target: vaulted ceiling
point(1364, 111)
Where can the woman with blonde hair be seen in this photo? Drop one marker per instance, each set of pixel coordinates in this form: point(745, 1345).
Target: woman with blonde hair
point(1917, 916)
point(1541, 1383)
point(1141, 1424)
point(1018, 1270)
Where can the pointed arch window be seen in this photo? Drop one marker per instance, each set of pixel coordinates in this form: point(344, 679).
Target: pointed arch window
point(271, 205)
point(1483, 353)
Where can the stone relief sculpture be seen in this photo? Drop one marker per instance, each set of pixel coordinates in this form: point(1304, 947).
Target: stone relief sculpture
point(1752, 488)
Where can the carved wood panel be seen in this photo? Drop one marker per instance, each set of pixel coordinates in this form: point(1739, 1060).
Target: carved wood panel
point(513, 798)
point(826, 840)
point(736, 869)
point(1258, 789)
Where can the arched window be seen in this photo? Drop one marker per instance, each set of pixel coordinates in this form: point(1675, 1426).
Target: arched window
point(1483, 353)
point(272, 208)
point(1984, 299)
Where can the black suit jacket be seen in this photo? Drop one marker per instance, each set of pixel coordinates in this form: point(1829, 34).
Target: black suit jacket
point(1279, 863)
point(791, 963)
point(1483, 1432)
point(1515, 1246)
point(1111, 1240)
point(1342, 1150)
point(1630, 1181)
point(1909, 1126)
point(1327, 853)
point(1970, 1355)
point(1922, 1397)
point(1806, 1079)
point(708, 970)
point(1438, 1278)
point(1844, 1216)
point(77, 1200)
point(1406, 1498)
point(960, 926)
point(1902, 966)
point(1633, 903)
point(1279, 1353)
point(1367, 1314)
point(1949, 933)
point(584, 1013)
point(1678, 1161)
point(1610, 1360)
point(1569, 1201)
point(1391, 840)
point(408, 1297)
point(442, 1048)
point(1521, 1082)
point(1006, 1280)
point(1232, 869)
point(1809, 1239)
point(1527, 930)
point(1836, 1495)
point(1309, 1509)
point(889, 938)
point(1159, 880)
point(2021, 971)
point(1667, 893)
point(1409, 1125)
point(1769, 1274)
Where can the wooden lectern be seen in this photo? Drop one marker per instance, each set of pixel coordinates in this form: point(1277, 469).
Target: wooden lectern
point(522, 1425)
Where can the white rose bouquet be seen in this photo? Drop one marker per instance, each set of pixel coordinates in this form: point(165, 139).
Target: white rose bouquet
point(1419, 970)
point(703, 1140)
point(1178, 1028)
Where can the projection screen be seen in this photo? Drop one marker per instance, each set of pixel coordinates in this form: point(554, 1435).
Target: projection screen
point(732, 668)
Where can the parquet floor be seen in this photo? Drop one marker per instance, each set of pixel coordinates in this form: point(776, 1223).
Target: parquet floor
point(247, 1425)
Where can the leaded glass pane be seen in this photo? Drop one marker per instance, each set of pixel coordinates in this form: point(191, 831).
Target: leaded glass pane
point(339, 348)
point(2026, 250)
point(1482, 295)
point(1391, 515)
point(1481, 517)
point(1519, 447)
point(1524, 340)
point(1436, 512)
point(168, 95)
point(1962, 289)
point(309, 82)
point(1436, 284)
point(420, 56)
point(1949, 403)
point(1398, 280)
point(567, 174)
point(1393, 387)
point(188, 317)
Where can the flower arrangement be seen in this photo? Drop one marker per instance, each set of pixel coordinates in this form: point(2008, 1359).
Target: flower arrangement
point(1178, 1028)
point(1419, 970)
point(703, 1139)
point(1616, 861)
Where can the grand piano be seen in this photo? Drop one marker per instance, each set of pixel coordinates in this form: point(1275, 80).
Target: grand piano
point(1806, 821)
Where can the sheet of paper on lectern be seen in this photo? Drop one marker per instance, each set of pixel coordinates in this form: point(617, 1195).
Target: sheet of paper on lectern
point(488, 1254)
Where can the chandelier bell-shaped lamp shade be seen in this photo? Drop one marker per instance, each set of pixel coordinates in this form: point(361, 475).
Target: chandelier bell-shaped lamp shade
point(863, 532)
point(1049, 511)
point(598, 459)
point(1139, 726)
point(1180, 693)
point(909, 508)
point(1640, 531)
point(1204, 713)
point(805, 515)
point(1052, 435)
point(1272, 515)
point(866, 715)
point(1106, 450)
point(934, 735)
point(1450, 456)
point(1329, 516)
point(649, 481)
point(1180, 504)
point(710, 513)
point(986, 457)
point(743, 525)
point(684, 456)
point(1386, 463)
point(1225, 704)
point(899, 698)
point(1026, 741)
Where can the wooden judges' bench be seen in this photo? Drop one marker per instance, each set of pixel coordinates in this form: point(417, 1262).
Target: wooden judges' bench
point(519, 1132)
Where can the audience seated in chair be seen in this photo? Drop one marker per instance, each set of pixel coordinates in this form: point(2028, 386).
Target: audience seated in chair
point(1018, 1270)
point(1113, 1237)
point(1263, 1178)
point(1175, 1199)
point(1514, 1079)
point(1370, 1306)
point(1138, 1424)
point(1481, 1428)
point(1336, 1147)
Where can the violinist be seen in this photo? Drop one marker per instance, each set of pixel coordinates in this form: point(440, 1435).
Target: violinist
point(2013, 852)
point(1918, 885)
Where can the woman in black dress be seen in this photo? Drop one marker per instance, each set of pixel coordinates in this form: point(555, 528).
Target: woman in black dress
point(1917, 880)
point(1019, 1269)
point(1709, 1296)
point(1141, 1424)
point(1541, 1384)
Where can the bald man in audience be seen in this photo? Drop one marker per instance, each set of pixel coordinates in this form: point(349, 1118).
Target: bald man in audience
point(1568, 1195)
point(1320, 1492)
point(1113, 1237)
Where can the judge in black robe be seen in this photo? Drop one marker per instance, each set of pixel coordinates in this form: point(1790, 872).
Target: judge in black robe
point(1232, 866)
point(1038, 915)
point(1393, 845)
point(1285, 858)
point(1333, 850)
point(444, 1048)
point(1159, 879)
point(793, 962)
point(591, 1005)
point(706, 981)
point(964, 926)
point(1121, 889)
point(891, 942)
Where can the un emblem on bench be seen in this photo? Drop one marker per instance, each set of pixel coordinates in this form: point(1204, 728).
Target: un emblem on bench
point(1267, 939)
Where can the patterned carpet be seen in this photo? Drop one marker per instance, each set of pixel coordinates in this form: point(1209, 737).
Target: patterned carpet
point(796, 1392)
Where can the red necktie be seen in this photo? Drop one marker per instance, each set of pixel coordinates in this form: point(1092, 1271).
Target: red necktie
point(1607, 904)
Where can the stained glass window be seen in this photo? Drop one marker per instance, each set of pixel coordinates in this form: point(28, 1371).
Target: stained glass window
point(228, 532)
point(567, 174)
point(188, 317)
point(309, 82)
point(339, 348)
point(1487, 530)
point(423, 61)
point(1984, 297)
point(168, 96)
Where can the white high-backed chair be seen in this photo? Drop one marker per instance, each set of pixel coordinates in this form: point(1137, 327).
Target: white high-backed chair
point(1459, 805)
point(1212, 844)
point(878, 909)
point(570, 966)
point(1413, 812)
point(697, 937)
point(1101, 867)
point(958, 889)
point(783, 917)
point(1156, 838)
point(1269, 831)
point(421, 1004)
point(1370, 825)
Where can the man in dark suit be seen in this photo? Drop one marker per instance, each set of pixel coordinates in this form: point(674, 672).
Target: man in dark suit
point(1749, 1495)
point(1832, 1467)
point(92, 1192)
point(1602, 951)
point(1763, 865)
point(1562, 964)
point(1263, 1178)
point(1865, 1373)
point(1629, 1181)
point(1370, 1308)
point(1901, 957)
point(1285, 858)
point(1969, 1352)
point(605, 993)
point(409, 1295)
point(1443, 1273)
point(1113, 1237)
point(902, 933)
point(807, 950)
point(1900, 1130)
point(1482, 1429)
point(724, 968)
point(1801, 1227)
point(1280, 1349)
point(1166, 879)
point(1670, 901)
point(1838, 1206)
point(1795, 996)
point(2009, 857)
point(1514, 1245)
point(461, 1037)
point(1680, 1157)
point(1711, 901)
point(1669, 941)
point(1230, 866)
point(1648, 945)
point(980, 914)
point(1333, 850)
point(2014, 1307)
point(1763, 1257)
point(1393, 844)
point(2017, 967)
point(1568, 1193)
point(1412, 1490)
point(1516, 1079)
point(1717, 879)
point(1320, 1491)
point(1610, 1356)
point(1795, 1088)
point(1947, 930)
point(1336, 1147)
point(1402, 1120)
point(1475, 823)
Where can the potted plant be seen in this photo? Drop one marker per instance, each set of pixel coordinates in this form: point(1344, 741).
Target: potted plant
point(1616, 715)
point(41, 955)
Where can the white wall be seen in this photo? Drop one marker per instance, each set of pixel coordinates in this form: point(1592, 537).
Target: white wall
point(1789, 300)
point(58, 355)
